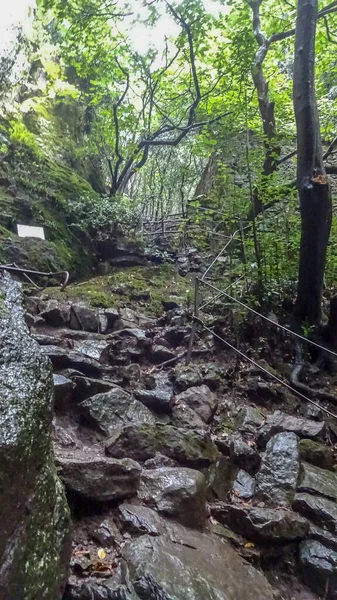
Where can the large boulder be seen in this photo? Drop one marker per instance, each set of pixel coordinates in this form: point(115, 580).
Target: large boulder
point(177, 492)
point(35, 522)
point(262, 524)
point(99, 478)
point(112, 410)
point(184, 564)
point(319, 568)
point(278, 475)
point(321, 511)
point(303, 428)
point(142, 442)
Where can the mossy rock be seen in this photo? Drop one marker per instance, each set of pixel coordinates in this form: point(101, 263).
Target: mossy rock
point(34, 516)
point(316, 453)
point(121, 288)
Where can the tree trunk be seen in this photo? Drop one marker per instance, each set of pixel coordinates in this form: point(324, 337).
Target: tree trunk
point(312, 181)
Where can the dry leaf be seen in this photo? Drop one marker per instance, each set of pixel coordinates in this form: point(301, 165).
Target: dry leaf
point(101, 553)
point(249, 545)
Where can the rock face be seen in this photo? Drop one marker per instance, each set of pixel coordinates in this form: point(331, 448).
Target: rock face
point(318, 481)
point(319, 567)
point(279, 421)
point(277, 478)
point(187, 565)
point(35, 523)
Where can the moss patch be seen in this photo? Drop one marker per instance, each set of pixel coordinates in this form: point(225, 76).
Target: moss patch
point(129, 288)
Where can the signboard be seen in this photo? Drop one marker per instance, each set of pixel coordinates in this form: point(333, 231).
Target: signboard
point(28, 231)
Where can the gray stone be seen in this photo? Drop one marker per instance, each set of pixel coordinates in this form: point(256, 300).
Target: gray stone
point(63, 390)
point(249, 420)
point(318, 509)
point(161, 354)
point(98, 478)
point(112, 410)
point(177, 492)
point(107, 533)
point(319, 568)
point(243, 455)
point(201, 400)
point(142, 442)
point(184, 416)
point(220, 477)
point(262, 524)
point(318, 481)
point(316, 453)
point(83, 318)
point(186, 377)
point(244, 485)
point(56, 314)
point(139, 520)
point(279, 421)
point(278, 476)
point(87, 387)
point(157, 400)
point(67, 359)
point(323, 536)
point(112, 315)
point(189, 565)
point(35, 521)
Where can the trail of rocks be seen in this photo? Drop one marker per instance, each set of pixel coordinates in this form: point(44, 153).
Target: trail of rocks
point(185, 483)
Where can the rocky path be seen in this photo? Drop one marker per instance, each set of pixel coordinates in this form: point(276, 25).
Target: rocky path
point(185, 483)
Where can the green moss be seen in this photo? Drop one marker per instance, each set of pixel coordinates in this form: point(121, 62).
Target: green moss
point(316, 453)
point(120, 288)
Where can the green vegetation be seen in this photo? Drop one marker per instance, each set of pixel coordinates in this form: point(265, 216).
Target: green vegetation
point(130, 288)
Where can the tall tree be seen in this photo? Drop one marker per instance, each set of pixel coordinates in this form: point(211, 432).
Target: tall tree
point(312, 180)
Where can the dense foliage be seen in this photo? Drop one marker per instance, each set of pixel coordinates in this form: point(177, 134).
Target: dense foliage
point(185, 107)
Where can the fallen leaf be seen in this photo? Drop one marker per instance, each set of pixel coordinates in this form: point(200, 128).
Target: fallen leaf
point(249, 545)
point(101, 553)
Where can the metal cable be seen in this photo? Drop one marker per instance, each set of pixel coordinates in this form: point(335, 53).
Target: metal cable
point(253, 362)
point(255, 312)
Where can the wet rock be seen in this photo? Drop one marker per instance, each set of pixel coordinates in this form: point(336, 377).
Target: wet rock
point(158, 461)
point(321, 511)
point(220, 477)
point(161, 354)
point(35, 521)
point(129, 319)
point(87, 387)
point(112, 315)
point(139, 520)
point(176, 492)
point(279, 421)
point(262, 524)
point(186, 377)
point(244, 485)
point(99, 478)
point(172, 567)
point(156, 400)
point(278, 476)
point(323, 536)
point(201, 400)
point(63, 389)
point(142, 442)
point(318, 481)
point(176, 335)
point(249, 420)
point(319, 568)
point(107, 533)
point(316, 453)
point(83, 318)
point(102, 322)
point(184, 416)
point(243, 455)
point(112, 410)
point(139, 334)
point(113, 588)
point(65, 359)
point(91, 348)
point(56, 314)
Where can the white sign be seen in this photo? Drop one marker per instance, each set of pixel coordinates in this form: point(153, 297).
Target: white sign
point(28, 231)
